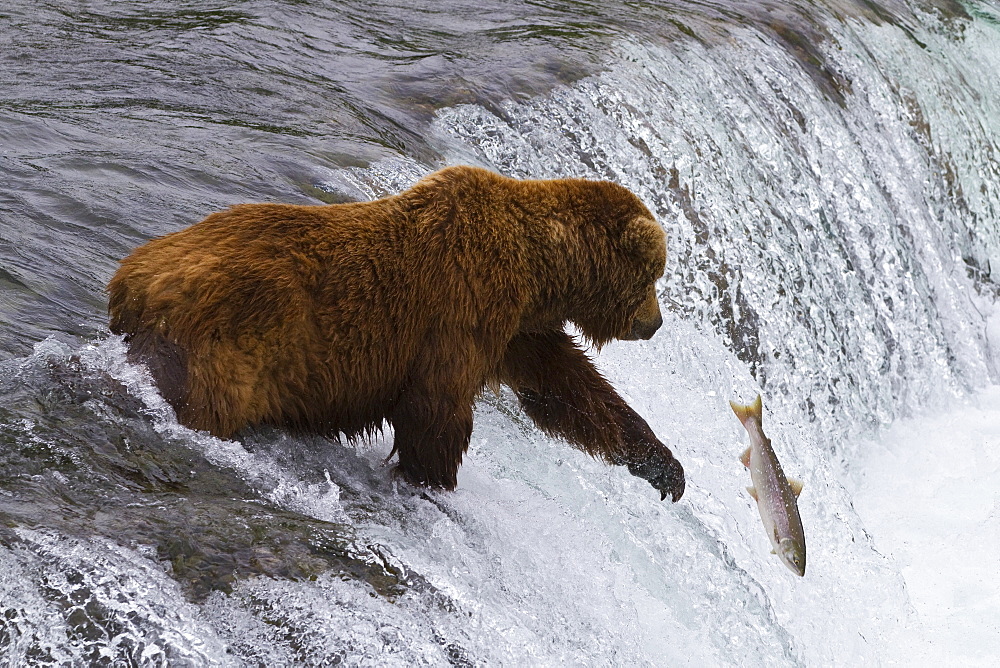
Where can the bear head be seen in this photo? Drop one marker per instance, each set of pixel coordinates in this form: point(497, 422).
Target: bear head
point(617, 252)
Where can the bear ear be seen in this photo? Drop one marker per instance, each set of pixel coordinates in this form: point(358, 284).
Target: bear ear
point(644, 240)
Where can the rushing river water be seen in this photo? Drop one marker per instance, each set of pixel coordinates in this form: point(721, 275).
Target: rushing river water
point(828, 174)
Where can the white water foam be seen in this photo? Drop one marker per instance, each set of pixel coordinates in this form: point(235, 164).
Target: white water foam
point(929, 493)
point(69, 601)
point(109, 355)
point(547, 557)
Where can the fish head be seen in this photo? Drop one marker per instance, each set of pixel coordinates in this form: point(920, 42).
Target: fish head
point(793, 554)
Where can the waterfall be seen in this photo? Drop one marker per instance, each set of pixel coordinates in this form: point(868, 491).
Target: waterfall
point(830, 189)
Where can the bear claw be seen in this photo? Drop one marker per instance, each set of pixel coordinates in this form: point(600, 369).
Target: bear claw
point(664, 473)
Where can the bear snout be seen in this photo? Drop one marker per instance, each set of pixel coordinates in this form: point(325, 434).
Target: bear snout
point(647, 320)
point(644, 329)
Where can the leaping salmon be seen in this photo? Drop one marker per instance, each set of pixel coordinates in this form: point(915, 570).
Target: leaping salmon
point(776, 495)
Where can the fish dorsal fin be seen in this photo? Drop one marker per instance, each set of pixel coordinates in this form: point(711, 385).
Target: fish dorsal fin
point(796, 486)
point(749, 411)
point(745, 457)
point(753, 492)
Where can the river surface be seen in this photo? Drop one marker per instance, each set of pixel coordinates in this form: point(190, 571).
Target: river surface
point(828, 175)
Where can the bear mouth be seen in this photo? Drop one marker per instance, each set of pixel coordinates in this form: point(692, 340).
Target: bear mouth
point(644, 329)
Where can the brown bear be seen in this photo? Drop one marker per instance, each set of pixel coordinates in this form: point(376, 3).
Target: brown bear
point(337, 319)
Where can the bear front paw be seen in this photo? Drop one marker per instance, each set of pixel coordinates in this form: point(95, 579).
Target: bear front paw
point(422, 477)
point(663, 472)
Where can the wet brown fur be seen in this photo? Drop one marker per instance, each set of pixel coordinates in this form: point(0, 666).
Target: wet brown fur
point(337, 318)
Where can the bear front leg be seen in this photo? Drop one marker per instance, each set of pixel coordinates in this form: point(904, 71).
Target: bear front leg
point(561, 390)
point(432, 431)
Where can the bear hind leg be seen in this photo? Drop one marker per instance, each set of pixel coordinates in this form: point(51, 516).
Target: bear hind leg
point(166, 361)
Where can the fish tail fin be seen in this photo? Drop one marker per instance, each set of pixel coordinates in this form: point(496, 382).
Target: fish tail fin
point(749, 411)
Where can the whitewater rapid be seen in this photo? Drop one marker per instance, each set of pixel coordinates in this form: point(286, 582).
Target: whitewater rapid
point(829, 183)
point(928, 491)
